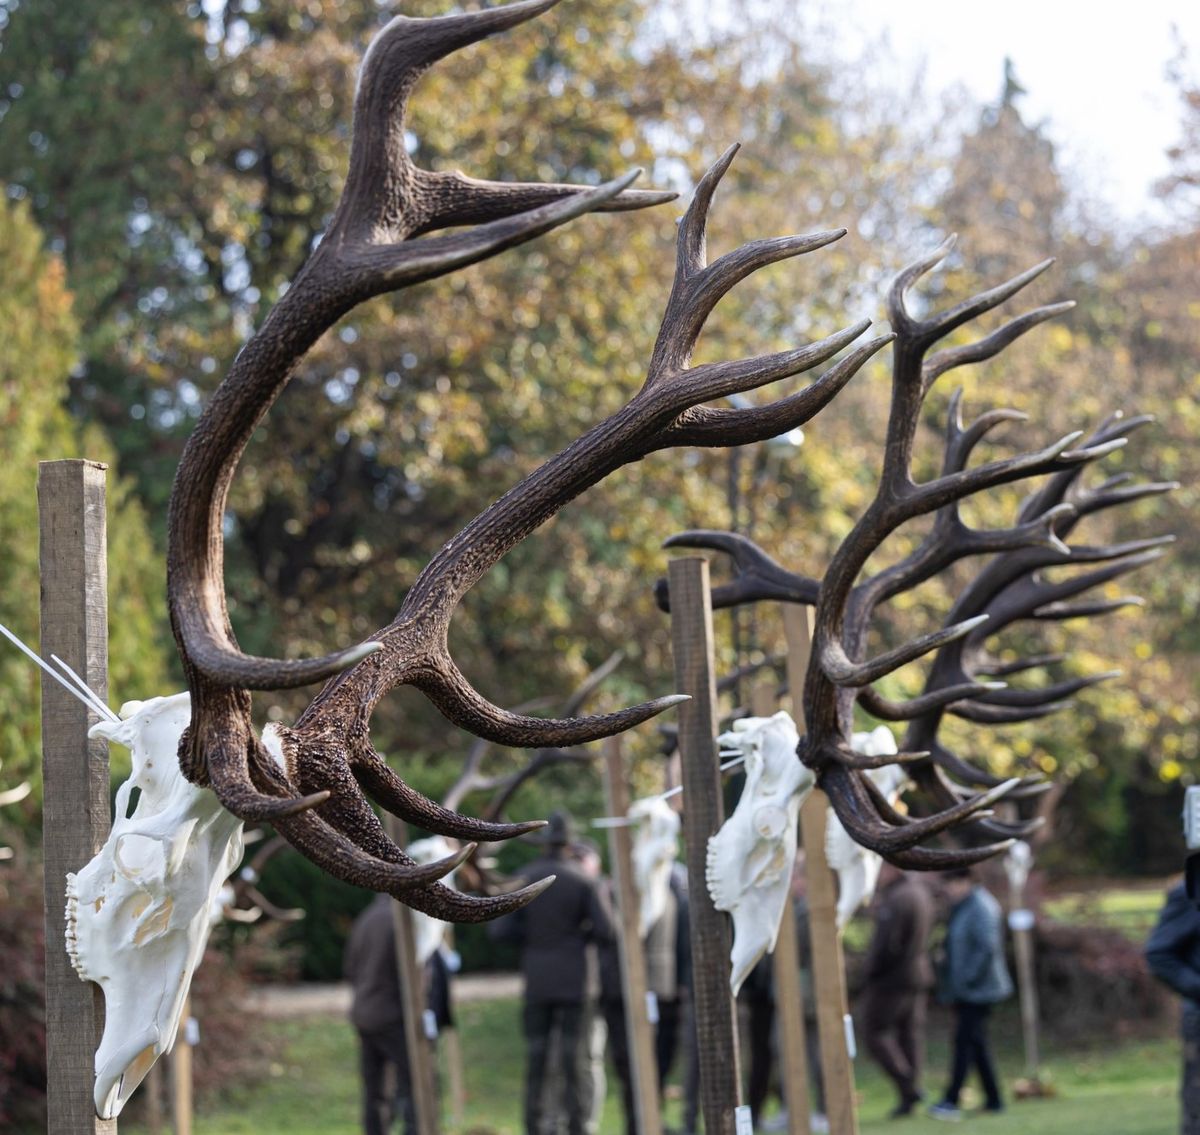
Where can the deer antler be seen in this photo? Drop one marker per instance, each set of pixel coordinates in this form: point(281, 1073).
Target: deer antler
point(313, 789)
point(1008, 590)
point(840, 675)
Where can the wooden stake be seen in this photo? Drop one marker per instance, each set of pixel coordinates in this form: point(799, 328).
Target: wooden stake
point(453, 1059)
point(829, 972)
point(643, 1066)
point(789, 996)
point(422, 1085)
point(74, 625)
point(715, 1011)
point(1020, 922)
point(181, 1074)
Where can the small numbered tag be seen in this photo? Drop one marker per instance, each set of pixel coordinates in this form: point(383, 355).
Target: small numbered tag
point(742, 1123)
point(191, 1032)
point(1020, 919)
point(429, 1020)
point(851, 1045)
point(652, 1007)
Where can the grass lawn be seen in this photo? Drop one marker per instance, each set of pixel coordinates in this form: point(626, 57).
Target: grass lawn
point(1132, 910)
point(1125, 1088)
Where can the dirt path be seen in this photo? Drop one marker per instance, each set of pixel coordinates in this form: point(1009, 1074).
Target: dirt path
point(312, 1000)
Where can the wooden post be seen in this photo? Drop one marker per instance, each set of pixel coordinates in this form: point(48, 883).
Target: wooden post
point(1021, 922)
point(74, 625)
point(451, 1048)
point(789, 996)
point(422, 1083)
point(829, 972)
point(643, 1066)
point(181, 1074)
point(715, 1010)
point(153, 1092)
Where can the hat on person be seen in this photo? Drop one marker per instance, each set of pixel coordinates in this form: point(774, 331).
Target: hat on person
point(558, 832)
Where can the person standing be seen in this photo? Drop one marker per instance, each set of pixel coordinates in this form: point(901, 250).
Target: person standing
point(1173, 955)
point(377, 1013)
point(975, 977)
point(897, 977)
point(554, 932)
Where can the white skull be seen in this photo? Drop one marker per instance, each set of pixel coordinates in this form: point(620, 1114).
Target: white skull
point(428, 932)
point(749, 867)
point(138, 915)
point(655, 835)
point(857, 868)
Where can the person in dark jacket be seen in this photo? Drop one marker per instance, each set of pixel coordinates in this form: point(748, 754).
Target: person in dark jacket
point(974, 978)
point(1173, 955)
point(554, 932)
point(377, 1014)
point(897, 977)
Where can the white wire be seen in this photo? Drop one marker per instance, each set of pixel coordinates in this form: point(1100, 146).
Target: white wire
point(97, 700)
point(620, 821)
point(49, 670)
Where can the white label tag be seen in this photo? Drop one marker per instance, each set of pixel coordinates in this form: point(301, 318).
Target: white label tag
point(191, 1032)
point(742, 1123)
point(1020, 919)
point(429, 1020)
point(652, 1007)
point(851, 1046)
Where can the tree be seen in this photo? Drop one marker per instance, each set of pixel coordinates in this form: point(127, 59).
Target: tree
point(38, 350)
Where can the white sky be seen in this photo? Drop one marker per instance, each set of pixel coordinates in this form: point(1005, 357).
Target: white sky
point(1095, 72)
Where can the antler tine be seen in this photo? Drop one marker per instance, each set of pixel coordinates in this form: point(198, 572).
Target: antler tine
point(388, 789)
point(1054, 692)
point(720, 426)
point(857, 808)
point(983, 714)
point(1057, 612)
point(887, 710)
point(985, 348)
point(699, 287)
point(940, 325)
point(463, 705)
point(838, 667)
point(897, 310)
point(930, 780)
point(758, 576)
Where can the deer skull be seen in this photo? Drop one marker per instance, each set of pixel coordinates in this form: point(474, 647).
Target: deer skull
point(138, 914)
point(857, 867)
point(429, 932)
point(749, 867)
point(655, 832)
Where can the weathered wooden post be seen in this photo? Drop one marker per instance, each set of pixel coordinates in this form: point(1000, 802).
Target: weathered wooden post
point(643, 1066)
point(789, 996)
point(1021, 922)
point(834, 1025)
point(74, 625)
point(422, 1082)
point(181, 1073)
point(716, 1020)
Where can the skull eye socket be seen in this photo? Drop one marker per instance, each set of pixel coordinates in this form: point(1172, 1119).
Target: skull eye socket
point(139, 858)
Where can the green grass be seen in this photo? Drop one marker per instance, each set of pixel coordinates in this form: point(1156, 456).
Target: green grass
point(1132, 910)
point(1126, 1088)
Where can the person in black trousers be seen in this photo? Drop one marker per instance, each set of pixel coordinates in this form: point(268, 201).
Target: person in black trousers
point(554, 932)
point(974, 978)
point(1173, 955)
point(377, 1014)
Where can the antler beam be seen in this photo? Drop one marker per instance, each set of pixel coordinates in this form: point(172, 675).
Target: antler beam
point(309, 780)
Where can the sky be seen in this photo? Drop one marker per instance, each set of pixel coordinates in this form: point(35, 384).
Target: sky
point(1095, 72)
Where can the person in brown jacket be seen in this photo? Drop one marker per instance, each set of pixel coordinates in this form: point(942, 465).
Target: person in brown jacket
point(897, 977)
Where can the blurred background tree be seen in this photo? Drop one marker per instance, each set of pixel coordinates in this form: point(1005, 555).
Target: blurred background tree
point(183, 159)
